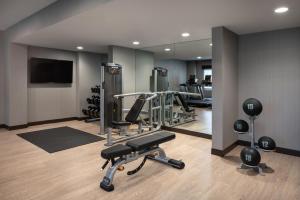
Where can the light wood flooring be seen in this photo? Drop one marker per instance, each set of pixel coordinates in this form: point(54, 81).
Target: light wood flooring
point(28, 172)
point(203, 123)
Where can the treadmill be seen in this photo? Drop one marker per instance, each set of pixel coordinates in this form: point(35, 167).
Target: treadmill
point(201, 102)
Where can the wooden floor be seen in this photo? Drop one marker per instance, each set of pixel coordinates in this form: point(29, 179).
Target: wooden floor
point(28, 172)
point(203, 123)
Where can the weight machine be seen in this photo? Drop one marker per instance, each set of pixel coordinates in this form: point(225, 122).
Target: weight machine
point(112, 111)
point(172, 117)
point(159, 80)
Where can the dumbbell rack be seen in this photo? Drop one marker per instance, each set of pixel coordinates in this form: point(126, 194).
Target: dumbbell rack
point(93, 111)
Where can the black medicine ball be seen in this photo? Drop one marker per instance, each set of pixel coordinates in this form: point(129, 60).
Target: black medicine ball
point(250, 156)
point(252, 107)
point(241, 126)
point(266, 143)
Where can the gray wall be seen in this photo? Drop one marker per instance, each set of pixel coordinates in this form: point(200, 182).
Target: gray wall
point(144, 63)
point(2, 76)
point(191, 69)
point(16, 114)
point(126, 58)
point(269, 70)
point(137, 66)
point(88, 76)
point(195, 68)
point(225, 87)
point(28, 102)
point(177, 71)
point(199, 71)
point(207, 91)
point(52, 101)
point(16, 85)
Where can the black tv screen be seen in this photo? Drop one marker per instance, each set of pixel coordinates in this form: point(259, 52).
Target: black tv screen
point(50, 71)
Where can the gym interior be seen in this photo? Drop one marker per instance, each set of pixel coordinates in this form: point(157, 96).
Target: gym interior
point(137, 99)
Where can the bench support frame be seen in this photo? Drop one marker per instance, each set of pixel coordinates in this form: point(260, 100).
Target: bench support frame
point(154, 153)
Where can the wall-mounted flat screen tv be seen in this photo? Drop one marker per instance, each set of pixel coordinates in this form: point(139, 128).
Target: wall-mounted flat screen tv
point(44, 70)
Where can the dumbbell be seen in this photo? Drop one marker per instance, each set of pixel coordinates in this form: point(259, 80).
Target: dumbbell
point(97, 89)
point(84, 112)
point(96, 101)
point(93, 108)
point(90, 101)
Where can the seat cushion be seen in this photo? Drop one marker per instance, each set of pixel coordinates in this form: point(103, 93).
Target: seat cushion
point(115, 151)
point(150, 140)
point(136, 109)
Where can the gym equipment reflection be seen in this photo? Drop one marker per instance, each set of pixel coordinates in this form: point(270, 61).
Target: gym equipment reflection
point(182, 70)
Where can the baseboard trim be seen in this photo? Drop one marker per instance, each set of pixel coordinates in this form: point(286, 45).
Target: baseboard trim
point(243, 143)
point(11, 128)
point(281, 150)
point(290, 152)
point(222, 153)
point(2, 126)
point(52, 121)
point(82, 118)
point(217, 152)
point(187, 132)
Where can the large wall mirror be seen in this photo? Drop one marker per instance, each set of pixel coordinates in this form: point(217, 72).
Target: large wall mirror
point(189, 69)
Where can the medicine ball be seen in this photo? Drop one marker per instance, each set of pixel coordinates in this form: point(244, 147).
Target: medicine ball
point(252, 107)
point(266, 143)
point(241, 126)
point(250, 156)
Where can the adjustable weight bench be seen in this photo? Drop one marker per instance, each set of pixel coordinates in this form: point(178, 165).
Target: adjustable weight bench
point(147, 147)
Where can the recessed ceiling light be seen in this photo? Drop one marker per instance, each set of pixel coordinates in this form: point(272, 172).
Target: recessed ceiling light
point(80, 48)
point(210, 44)
point(185, 34)
point(199, 57)
point(135, 42)
point(281, 10)
point(167, 49)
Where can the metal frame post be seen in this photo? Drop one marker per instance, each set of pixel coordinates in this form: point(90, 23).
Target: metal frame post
point(252, 131)
point(102, 129)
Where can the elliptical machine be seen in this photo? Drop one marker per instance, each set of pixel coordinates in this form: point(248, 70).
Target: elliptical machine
point(250, 156)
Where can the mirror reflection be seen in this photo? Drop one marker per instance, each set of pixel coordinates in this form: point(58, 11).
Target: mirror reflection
point(183, 75)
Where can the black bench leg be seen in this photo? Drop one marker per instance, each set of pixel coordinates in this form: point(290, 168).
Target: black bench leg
point(106, 183)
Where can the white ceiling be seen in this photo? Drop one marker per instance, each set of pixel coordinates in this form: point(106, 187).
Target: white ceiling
point(157, 22)
point(13, 11)
point(183, 50)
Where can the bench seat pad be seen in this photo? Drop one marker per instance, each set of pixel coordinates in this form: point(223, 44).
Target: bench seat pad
point(150, 140)
point(115, 151)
